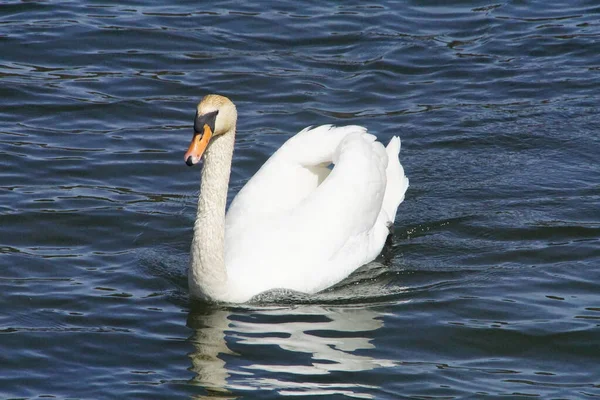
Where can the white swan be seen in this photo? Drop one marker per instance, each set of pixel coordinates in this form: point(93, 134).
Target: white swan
point(296, 224)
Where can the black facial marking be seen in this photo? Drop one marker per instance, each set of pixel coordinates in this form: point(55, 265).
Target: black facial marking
point(205, 119)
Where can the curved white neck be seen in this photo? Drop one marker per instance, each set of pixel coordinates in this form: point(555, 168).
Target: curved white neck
point(207, 276)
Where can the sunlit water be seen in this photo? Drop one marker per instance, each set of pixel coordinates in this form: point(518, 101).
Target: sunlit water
point(490, 288)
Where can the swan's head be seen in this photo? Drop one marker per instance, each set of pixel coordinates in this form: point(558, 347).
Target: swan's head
point(215, 115)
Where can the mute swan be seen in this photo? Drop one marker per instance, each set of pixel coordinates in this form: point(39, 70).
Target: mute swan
point(296, 224)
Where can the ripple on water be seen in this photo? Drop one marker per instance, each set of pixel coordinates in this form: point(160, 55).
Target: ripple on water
point(489, 288)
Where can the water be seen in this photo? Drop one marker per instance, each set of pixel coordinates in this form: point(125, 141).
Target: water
point(489, 290)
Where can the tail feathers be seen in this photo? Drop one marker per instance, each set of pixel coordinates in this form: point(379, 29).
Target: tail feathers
point(397, 182)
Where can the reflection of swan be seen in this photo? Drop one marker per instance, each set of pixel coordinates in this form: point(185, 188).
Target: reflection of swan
point(283, 349)
point(296, 224)
point(209, 342)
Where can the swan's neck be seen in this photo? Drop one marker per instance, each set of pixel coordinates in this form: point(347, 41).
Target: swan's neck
point(207, 274)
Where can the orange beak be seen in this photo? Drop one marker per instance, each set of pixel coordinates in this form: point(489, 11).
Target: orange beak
point(198, 146)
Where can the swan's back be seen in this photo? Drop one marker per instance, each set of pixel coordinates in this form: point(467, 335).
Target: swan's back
point(299, 225)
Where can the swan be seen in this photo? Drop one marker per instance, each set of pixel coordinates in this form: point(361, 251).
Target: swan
point(296, 224)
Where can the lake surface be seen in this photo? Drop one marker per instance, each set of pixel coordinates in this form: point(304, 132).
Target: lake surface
point(490, 289)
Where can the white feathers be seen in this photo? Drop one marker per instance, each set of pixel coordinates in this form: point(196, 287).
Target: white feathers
point(298, 225)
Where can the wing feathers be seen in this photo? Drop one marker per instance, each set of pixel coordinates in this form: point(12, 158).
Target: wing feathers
point(303, 227)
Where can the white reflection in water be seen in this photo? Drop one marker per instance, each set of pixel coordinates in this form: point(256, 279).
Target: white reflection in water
point(330, 337)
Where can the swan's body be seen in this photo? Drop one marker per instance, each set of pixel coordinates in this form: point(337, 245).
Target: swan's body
point(296, 224)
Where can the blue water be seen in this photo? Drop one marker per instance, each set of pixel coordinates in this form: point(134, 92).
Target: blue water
point(489, 290)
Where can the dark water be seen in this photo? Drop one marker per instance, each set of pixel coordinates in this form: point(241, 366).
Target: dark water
point(491, 288)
